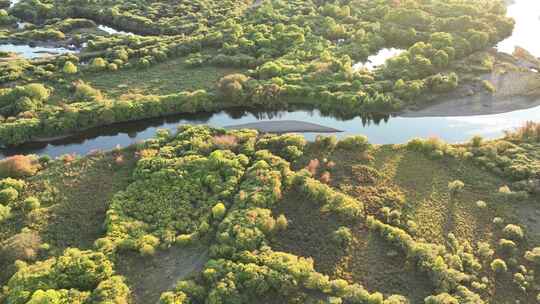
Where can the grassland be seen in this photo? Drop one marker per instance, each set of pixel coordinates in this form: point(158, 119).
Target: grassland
point(397, 185)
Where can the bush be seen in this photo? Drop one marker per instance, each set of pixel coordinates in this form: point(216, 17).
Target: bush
point(31, 203)
point(85, 92)
point(357, 143)
point(513, 232)
point(8, 195)
point(507, 247)
point(218, 211)
point(442, 298)
point(281, 223)
point(533, 256)
point(231, 87)
point(16, 184)
point(18, 166)
point(70, 68)
point(499, 266)
point(455, 186)
point(98, 64)
point(5, 213)
point(343, 237)
point(481, 205)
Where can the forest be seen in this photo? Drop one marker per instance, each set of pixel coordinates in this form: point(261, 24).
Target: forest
point(203, 214)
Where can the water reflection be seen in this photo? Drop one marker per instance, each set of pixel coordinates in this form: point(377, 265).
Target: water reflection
point(109, 30)
point(381, 129)
point(527, 16)
point(30, 52)
point(378, 59)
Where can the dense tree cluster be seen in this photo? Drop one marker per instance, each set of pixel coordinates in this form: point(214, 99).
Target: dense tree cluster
point(74, 277)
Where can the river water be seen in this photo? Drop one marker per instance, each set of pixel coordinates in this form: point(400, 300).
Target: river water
point(381, 130)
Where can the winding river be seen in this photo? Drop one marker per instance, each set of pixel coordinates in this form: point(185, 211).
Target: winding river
point(380, 130)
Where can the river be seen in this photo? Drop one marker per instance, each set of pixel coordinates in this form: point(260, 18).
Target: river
point(382, 130)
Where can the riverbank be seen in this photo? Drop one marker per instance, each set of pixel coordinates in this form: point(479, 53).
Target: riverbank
point(285, 126)
point(511, 91)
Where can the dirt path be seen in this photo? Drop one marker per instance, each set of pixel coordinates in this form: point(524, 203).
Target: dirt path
point(149, 277)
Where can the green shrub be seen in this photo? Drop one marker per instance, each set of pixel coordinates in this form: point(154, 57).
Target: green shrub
point(456, 186)
point(343, 237)
point(8, 195)
point(499, 266)
point(513, 232)
point(98, 64)
point(507, 247)
point(31, 203)
point(442, 298)
point(357, 143)
point(5, 213)
point(69, 68)
point(533, 256)
point(16, 184)
point(218, 211)
point(281, 223)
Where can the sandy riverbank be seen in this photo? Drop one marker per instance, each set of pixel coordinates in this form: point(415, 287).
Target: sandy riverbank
point(513, 91)
point(285, 126)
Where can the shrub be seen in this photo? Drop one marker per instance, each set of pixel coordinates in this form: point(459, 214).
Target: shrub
point(357, 143)
point(513, 232)
point(18, 166)
point(476, 141)
point(499, 266)
point(533, 256)
point(98, 64)
point(281, 223)
point(343, 236)
point(485, 251)
point(481, 204)
point(231, 87)
point(5, 213)
point(507, 246)
point(147, 250)
point(69, 68)
point(498, 221)
point(325, 143)
point(442, 298)
point(218, 211)
point(31, 203)
point(455, 186)
point(16, 184)
point(85, 92)
point(8, 195)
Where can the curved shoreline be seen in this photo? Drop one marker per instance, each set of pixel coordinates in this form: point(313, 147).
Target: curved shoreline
point(285, 126)
point(471, 107)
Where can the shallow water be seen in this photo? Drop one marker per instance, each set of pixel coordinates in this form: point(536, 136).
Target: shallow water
point(29, 52)
point(109, 30)
point(381, 130)
point(13, 2)
point(378, 59)
point(527, 16)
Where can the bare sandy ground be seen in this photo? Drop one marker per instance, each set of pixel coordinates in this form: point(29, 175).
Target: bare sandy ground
point(285, 126)
point(150, 276)
point(514, 91)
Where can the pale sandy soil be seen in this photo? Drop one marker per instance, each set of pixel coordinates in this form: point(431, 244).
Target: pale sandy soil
point(285, 126)
point(514, 91)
